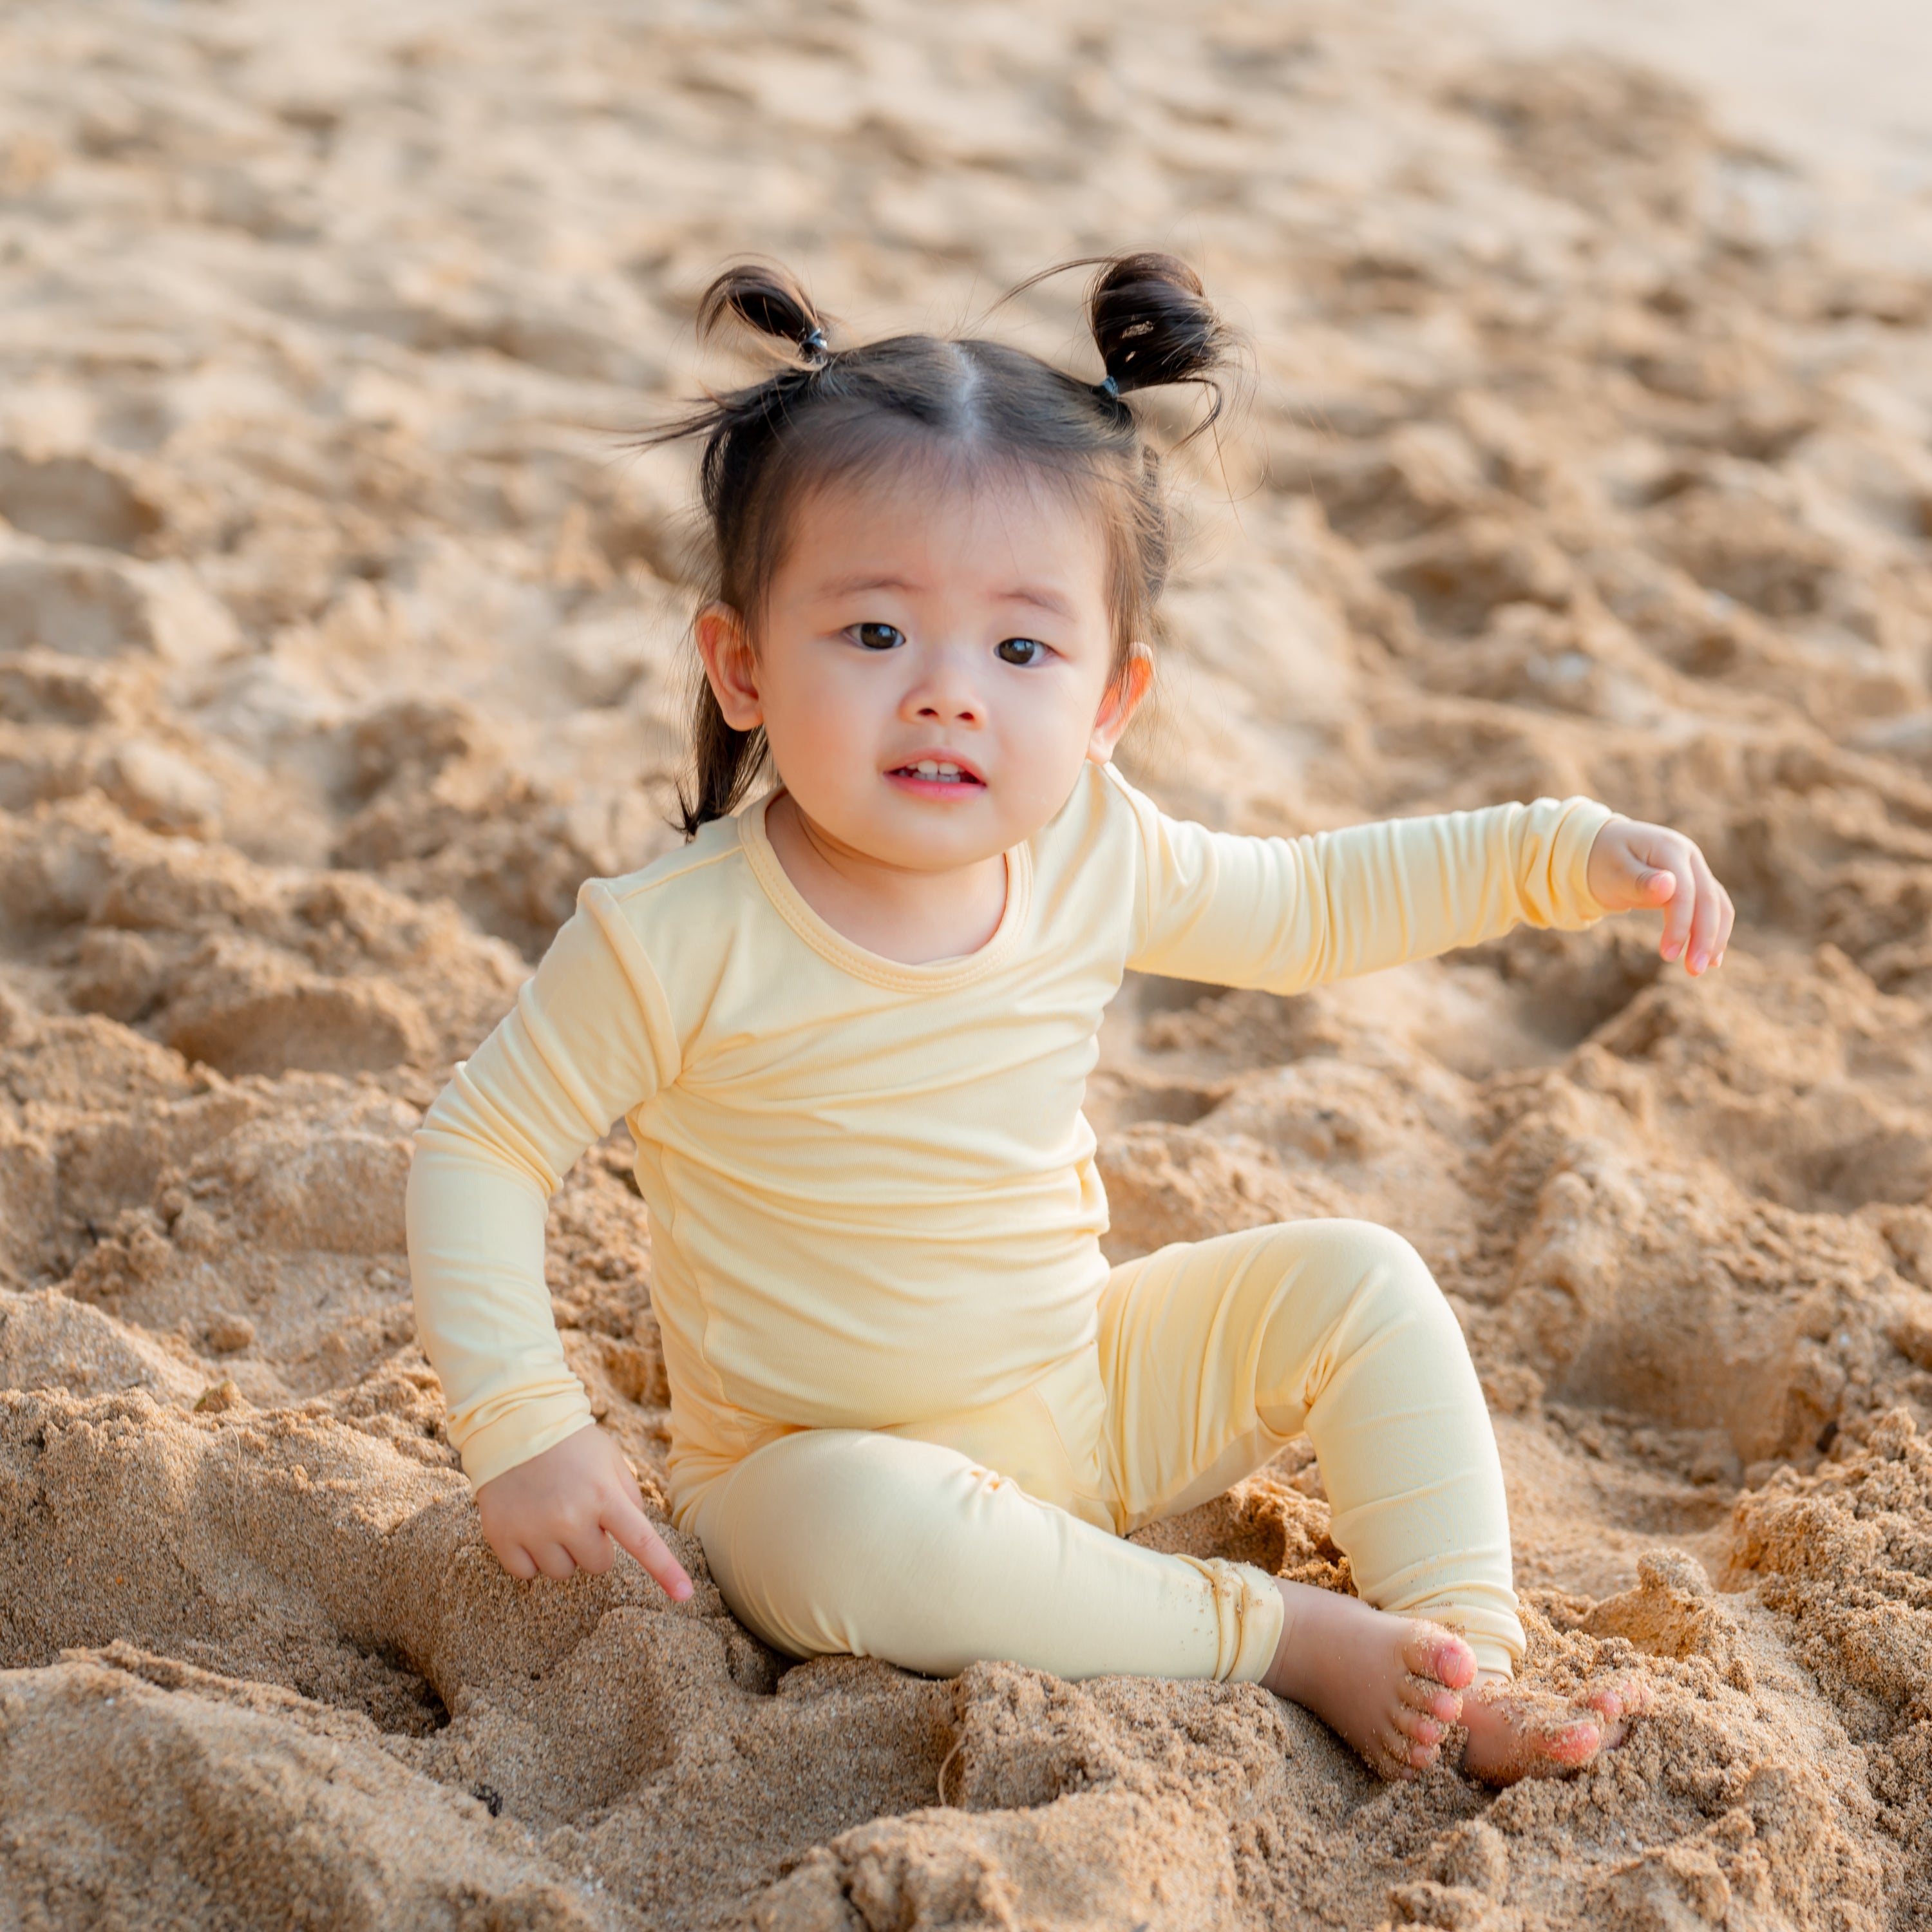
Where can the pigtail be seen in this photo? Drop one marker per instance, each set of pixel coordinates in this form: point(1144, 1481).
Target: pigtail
point(1153, 325)
point(770, 300)
point(737, 430)
point(725, 762)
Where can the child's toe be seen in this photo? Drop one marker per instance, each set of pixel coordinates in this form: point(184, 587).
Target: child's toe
point(1420, 1726)
point(1431, 1651)
point(1629, 1699)
point(1573, 1744)
point(1608, 1704)
point(1425, 1694)
point(1615, 1706)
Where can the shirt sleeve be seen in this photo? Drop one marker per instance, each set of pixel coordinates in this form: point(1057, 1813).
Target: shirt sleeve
point(589, 1038)
point(1286, 914)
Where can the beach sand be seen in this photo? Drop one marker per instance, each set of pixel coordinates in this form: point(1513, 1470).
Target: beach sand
point(1585, 449)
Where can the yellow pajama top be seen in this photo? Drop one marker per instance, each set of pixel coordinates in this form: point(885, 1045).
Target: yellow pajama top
point(872, 1194)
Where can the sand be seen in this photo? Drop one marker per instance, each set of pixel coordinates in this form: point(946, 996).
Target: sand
point(340, 637)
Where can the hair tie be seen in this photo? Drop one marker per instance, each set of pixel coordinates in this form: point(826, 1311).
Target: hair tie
point(814, 342)
point(1106, 386)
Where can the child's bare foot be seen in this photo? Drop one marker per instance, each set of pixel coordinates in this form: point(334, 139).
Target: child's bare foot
point(1389, 1684)
point(1516, 1731)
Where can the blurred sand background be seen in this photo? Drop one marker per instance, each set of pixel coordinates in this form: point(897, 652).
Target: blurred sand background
point(1589, 447)
point(1838, 88)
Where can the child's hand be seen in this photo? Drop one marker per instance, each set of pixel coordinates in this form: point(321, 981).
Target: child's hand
point(560, 1512)
point(1634, 866)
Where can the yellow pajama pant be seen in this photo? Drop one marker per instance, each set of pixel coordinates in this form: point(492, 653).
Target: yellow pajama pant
point(999, 1533)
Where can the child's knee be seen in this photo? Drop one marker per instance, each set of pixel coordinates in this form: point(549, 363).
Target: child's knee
point(1354, 1260)
point(837, 1503)
point(1402, 1292)
point(793, 1533)
point(845, 1541)
point(1394, 1262)
point(1371, 1285)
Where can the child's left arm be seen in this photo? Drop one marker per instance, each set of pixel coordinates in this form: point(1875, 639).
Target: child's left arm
point(1633, 867)
point(1289, 914)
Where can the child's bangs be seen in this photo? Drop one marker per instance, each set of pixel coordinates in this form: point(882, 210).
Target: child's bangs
point(871, 451)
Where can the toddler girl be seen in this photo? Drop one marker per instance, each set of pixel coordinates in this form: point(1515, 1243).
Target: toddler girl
point(914, 1413)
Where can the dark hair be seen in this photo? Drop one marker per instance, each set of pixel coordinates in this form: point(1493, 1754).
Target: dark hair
point(826, 412)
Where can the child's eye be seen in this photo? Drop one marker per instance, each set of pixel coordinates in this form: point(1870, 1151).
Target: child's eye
point(879, 637)
point(1020, 651)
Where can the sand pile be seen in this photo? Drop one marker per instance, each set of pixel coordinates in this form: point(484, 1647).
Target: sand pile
point(339, 639)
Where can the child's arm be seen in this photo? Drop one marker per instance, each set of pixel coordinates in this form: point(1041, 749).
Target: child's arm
point(1287, 914)
point(590, 1037)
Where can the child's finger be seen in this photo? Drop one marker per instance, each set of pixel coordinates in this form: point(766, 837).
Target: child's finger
point(1652, 885)
point(1679, 912)
point(1707, 926)
point(554, 1560)
point(589, 1549)
point(1624, 872)
point(518, 1561)
point(634, 1531)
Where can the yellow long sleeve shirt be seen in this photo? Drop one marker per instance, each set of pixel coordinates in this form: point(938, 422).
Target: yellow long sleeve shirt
point(871, 1188)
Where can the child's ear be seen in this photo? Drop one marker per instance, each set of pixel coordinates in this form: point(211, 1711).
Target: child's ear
point(1122, 700)
point(730, 666)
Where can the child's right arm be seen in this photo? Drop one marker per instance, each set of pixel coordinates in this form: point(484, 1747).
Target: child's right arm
point(590, 1037)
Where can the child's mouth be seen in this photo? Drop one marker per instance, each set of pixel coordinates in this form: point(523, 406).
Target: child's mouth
point(938, 772)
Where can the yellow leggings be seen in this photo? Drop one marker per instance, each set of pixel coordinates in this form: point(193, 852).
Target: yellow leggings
point(999, 1533)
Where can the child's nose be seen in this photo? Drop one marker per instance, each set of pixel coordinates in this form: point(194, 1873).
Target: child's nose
point(946, 695)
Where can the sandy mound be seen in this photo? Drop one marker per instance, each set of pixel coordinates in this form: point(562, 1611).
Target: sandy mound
point(338, 641)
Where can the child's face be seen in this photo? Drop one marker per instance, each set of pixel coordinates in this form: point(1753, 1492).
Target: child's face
point(919, 629)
